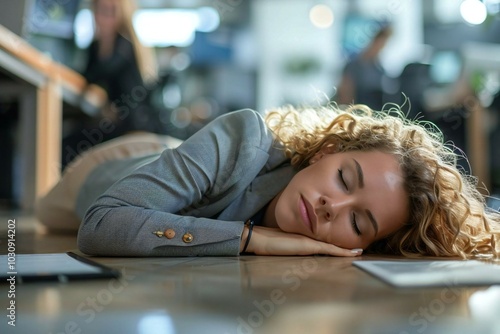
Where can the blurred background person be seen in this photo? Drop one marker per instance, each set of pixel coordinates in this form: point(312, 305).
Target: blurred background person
point(126, 69)
point(363, 76)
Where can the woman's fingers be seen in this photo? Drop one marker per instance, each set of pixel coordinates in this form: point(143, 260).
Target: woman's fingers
point(319, 247)
point(270, 241)
point(338, 251)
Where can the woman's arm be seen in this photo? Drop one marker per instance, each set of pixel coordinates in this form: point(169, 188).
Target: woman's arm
point(199, 178)
point(273, 241)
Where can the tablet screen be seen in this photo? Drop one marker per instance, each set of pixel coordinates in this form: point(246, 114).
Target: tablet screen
point(52, 267)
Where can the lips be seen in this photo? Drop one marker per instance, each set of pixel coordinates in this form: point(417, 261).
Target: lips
point(307, 213)
point(311, 214)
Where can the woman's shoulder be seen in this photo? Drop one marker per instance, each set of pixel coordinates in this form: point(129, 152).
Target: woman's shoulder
point(242, 123)
point(243, 115)
point(241, 127)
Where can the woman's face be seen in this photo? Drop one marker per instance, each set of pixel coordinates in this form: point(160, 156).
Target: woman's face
point(107, 15)
point(347, 199)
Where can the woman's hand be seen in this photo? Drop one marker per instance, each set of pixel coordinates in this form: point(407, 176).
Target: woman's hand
point(273, 241)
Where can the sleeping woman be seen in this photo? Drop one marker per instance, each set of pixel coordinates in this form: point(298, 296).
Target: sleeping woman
point(292, 182)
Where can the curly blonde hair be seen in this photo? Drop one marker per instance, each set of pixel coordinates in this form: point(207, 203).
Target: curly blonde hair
point(448, 215)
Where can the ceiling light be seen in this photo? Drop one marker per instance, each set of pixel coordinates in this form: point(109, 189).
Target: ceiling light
point(473, 11)
point(321, 16)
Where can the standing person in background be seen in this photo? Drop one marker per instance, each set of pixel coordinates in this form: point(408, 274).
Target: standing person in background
point(126, 69)
point(362, 76)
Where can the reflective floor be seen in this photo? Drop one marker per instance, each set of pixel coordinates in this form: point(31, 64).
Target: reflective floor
point(250, 294)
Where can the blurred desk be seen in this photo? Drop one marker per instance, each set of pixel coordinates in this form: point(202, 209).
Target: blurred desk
point(41, 86)
point(249, 294)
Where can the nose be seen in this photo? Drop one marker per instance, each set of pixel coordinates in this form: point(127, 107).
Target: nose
point(330, 208)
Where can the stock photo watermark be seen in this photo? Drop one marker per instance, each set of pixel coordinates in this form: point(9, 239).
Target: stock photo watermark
point(11, 272)
point(422, 318)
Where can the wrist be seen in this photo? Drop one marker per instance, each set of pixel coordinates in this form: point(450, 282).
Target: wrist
point(244, 236)
point(249, 224)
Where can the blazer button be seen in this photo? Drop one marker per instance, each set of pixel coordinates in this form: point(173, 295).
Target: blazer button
point(187, 238)
point(169, 233)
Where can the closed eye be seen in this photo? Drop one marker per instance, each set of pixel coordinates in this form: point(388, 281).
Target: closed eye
point(341, 178)
point(355, 224)
point(353, 219)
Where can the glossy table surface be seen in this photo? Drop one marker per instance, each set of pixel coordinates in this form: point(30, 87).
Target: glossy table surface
point(249, 294)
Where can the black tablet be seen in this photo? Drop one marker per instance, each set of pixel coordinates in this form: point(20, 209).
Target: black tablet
point(61, 267)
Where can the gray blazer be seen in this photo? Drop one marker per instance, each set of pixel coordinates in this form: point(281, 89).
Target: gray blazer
point(198, 194)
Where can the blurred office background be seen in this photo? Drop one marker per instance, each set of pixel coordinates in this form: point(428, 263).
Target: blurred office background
point(222, 55)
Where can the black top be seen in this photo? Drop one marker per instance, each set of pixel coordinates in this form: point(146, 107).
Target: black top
point(118, 74)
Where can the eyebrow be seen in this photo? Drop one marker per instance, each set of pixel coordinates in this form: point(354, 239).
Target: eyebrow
point(361, 183)
point(359, 171)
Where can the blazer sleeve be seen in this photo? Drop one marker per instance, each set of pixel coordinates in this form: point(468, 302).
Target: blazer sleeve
point(206, 169)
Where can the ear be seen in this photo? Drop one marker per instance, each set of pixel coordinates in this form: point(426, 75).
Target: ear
point(315, 158)
point(321, 153)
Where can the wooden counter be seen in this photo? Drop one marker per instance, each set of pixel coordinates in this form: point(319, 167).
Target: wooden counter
point(41, 86)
